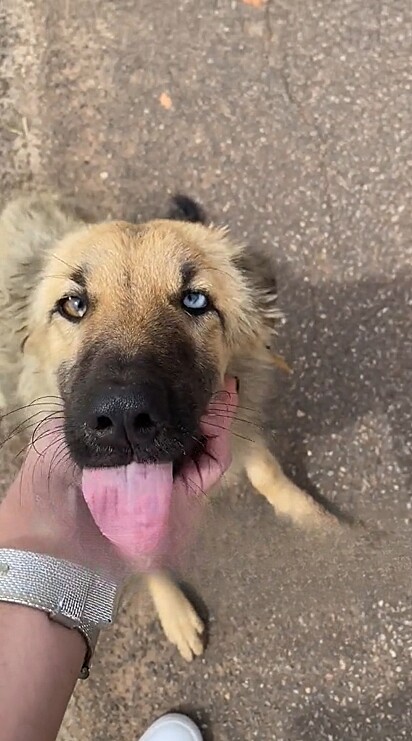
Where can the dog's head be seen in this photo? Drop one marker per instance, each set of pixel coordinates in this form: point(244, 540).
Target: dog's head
point(135, 326)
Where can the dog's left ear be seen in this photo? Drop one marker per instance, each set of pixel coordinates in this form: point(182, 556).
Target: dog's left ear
point(183, 208)
point(258, 270)
point(258, 314)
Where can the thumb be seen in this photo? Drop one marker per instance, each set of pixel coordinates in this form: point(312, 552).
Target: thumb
point(215, 425)
point(48, 466)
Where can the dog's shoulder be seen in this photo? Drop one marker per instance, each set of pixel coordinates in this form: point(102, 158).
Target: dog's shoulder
point(29, 225)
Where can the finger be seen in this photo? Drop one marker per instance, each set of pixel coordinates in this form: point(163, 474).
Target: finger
point(46, 436)
point(218, 435)
point(48, 467)
point(198, 477)
point(225, 402)
point(215, 459)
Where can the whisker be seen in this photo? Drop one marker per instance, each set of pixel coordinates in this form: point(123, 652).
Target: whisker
point(60, 446)
point(61, 453)
point(44, 434)
point(60, 259)
point(220, 413)
point(34, 403)
point(29, 444)
point(227, 401)
point(228, 395)
point(63, 460)
point(232, 432)
point(205, 451)
point(198, 440)
point(197, 464)
point(25, 448)
point(49, 396)
point(223, 272)
point(39, 437)
point(57, 275)
point(213, 457)
point(40, 455)
point(195, 487)
point(22, 427)
point(35, 440)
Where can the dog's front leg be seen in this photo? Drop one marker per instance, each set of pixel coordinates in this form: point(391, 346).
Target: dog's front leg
point(266, 475)
point(179, 620)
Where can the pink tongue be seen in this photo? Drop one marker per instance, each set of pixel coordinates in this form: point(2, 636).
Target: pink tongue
point(130, 505)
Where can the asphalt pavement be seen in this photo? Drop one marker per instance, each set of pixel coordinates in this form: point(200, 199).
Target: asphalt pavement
point(290, 121)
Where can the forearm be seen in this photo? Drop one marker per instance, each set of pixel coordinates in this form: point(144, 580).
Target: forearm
point(39, 664)
point(39, 659)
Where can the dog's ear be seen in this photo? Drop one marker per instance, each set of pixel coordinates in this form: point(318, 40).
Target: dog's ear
point(183, 208)
point(258, 270)
point(255, 266)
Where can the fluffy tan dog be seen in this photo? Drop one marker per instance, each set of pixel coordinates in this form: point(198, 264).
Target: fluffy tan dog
point(129, 329)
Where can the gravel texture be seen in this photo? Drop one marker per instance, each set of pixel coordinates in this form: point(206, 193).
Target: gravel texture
point(291, 122)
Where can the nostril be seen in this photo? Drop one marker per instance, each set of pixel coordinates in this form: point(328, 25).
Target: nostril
point(103, 423)
point(142, 421)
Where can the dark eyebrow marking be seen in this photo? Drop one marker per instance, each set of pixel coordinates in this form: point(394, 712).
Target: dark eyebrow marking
point(188, 272)
point(23, 343)
point(79, 276)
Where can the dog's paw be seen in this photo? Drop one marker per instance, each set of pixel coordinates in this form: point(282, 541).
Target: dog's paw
point(178, 618)
point(313, 517)
point(183, 627)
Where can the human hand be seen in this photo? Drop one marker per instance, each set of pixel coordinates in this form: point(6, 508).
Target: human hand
point(45, 509)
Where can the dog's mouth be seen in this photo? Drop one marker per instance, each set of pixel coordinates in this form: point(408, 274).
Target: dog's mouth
point(194, 454)
point(132, 442)
point(131, 503)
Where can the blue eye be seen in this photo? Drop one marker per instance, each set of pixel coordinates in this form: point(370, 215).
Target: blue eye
point(196, 302)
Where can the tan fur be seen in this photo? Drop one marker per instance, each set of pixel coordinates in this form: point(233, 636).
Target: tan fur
point(41, 244)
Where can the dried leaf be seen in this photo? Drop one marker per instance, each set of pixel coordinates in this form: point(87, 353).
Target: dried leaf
point(165, 101)
point(269, 357)
point(281, 363)
point(255, 3)
point(278, 361)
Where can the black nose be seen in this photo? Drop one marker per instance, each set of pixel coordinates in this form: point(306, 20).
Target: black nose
point(128, 416)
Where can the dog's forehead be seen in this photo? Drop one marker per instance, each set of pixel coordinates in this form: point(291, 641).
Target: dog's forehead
point(115, 253)
point(138, 270)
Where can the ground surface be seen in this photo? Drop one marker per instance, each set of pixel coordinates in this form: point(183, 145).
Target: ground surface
point(291, 122)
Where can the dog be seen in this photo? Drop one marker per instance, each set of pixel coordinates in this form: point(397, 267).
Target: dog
point(138, 324)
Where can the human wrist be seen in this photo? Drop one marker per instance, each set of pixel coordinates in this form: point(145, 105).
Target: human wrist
point(19, 532)
point(70, 594)
point(24, 620)
point(40, 663)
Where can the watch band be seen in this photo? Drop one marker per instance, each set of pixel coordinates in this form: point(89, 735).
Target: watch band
point(70, 594)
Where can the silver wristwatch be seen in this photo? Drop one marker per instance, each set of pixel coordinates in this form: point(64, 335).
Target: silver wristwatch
point(70, 594)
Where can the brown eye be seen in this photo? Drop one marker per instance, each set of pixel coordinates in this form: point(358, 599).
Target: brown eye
point(73, 308)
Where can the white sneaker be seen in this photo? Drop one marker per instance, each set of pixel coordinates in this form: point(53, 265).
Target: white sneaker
point(172, 727)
